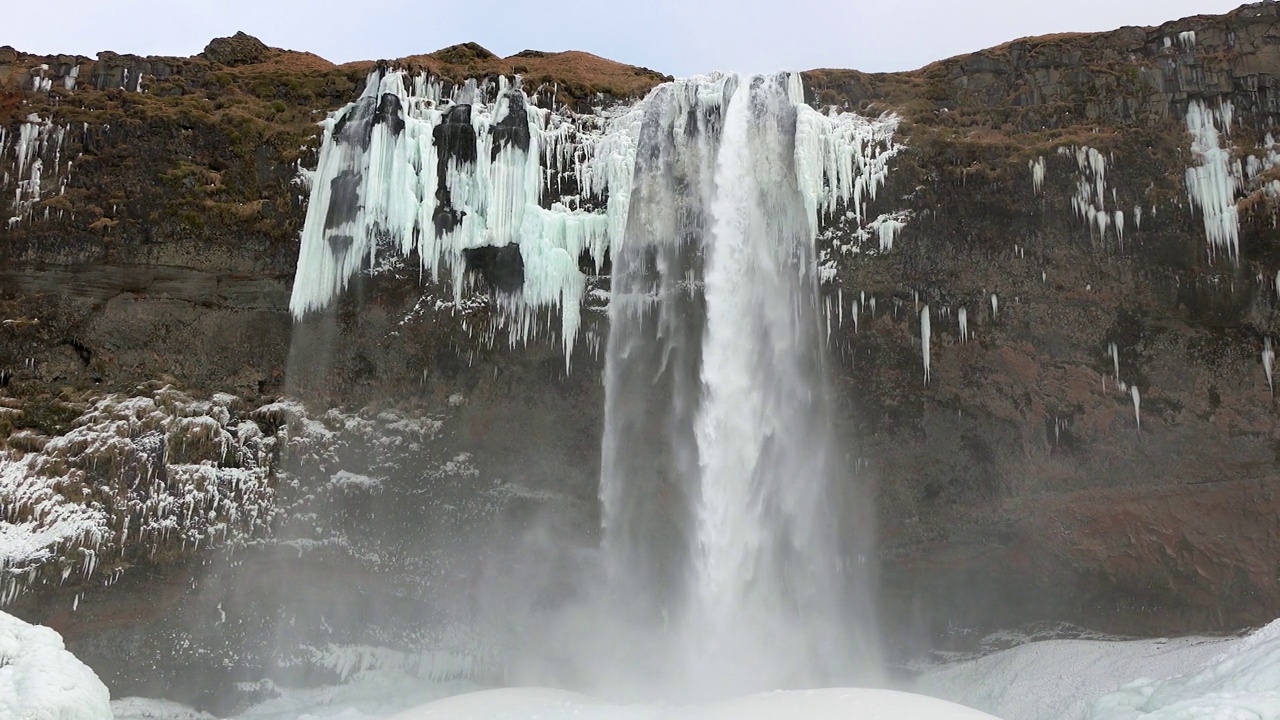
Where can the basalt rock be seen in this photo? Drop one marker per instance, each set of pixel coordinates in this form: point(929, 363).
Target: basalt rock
point(239, 49)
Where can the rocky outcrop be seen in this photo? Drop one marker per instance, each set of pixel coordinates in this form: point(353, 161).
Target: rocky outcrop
point(239, 49)
point(1065, 322)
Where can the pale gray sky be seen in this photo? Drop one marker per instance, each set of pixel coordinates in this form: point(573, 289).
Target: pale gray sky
point(680, 37)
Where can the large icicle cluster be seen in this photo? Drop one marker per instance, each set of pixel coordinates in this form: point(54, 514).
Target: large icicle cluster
point(1090, 200)
point(409, 168)
point(35, 142)
point(1213, 182)
point(414, 167)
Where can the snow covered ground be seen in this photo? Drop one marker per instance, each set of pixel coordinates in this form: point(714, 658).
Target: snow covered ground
point(1178, 679)
point(40, 680)
point(833, 703)
point(1210, 678)
point(469, 703)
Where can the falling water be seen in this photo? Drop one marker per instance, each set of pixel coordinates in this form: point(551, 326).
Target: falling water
point(730, 560)
point(717, 483)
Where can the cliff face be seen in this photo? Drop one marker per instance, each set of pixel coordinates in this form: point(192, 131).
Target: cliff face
point(1022, 460)
point(1097, 439)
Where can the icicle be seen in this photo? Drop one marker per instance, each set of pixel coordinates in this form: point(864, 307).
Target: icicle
point(995, 306)
point(964, 325)
point(1268, 362)
point(924, 340)
point(1114, 352)
point(1137, 406)
point(381, 172)
point(1212, 183)
point(1037, 174)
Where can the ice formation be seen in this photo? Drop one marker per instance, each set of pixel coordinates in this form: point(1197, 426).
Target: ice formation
point(1137, 405)
point(924, 340)
point(36, 162)
point(1114, 353)
point(1037, 167)
point(412, 167)
point(1213, 182)
point(408, 169)
point(163, 469)
point(1268, 362)
point(1089, 202)
point(963, 316)
point(995, 306)
point(886, 227)
point(40, 680)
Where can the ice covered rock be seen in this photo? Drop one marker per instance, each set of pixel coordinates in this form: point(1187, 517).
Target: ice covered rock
point(40, 680)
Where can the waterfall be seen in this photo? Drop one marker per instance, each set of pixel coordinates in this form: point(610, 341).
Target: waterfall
point(728, 561)
point(719, 482)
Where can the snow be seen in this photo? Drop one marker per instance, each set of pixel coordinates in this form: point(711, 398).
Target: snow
point(134, 471)
point(40, 680)
point(1213, 678)
point(1243, 683)
point(833, 704)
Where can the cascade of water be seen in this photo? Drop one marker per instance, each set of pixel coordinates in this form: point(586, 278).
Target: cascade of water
point(717, 471)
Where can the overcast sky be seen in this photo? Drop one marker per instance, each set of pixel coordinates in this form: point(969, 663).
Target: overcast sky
point(680, 37)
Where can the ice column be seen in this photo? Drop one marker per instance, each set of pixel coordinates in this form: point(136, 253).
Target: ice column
point(924, 340)
point(1212, 183)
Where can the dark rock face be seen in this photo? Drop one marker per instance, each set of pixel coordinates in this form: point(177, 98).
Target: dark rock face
point(1017, 481)
point(239, 49)
point(501, 267)
point(1016, 485)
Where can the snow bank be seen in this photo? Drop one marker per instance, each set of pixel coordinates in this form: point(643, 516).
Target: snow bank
point(1060, 679)
point(547, 704)
point(1226, 679)
point(1243, 683)
point(40, 680)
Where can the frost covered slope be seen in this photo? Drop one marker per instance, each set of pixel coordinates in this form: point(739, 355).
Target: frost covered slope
point(135, 474)
point(40, 680)
point(1236, 679)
